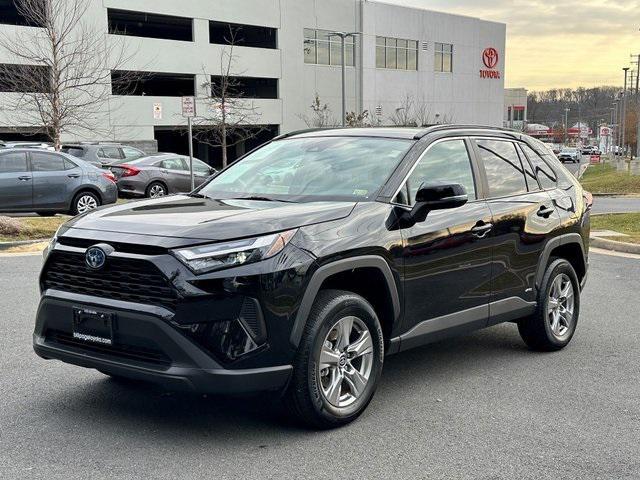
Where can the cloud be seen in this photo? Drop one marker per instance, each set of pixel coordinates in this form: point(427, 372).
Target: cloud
point(566, 43)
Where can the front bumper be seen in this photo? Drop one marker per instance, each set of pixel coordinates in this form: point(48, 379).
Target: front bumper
point(146, 347)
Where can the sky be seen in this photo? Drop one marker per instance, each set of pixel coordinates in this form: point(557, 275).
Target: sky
point(557, 43)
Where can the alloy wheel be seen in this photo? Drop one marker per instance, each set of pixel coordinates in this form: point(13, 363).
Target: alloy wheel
point(560, 306)
point(86, 203)
point(346, 362)
point(157, 191)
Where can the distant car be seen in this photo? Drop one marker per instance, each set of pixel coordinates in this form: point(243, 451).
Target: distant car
point(569, 154)
point(159, 175)
point(47, 183)
point(101, 154)
point(23, 144)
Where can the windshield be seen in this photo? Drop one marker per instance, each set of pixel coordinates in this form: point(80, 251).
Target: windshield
point(308, 169)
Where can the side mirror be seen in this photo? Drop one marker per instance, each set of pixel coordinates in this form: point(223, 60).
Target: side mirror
point(212, 171)
point(440, 196)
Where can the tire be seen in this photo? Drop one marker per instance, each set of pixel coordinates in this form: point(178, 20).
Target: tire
point(549, 329)
point(46, 214)
point(156, 190)
point(84, 202)
point(309, 395)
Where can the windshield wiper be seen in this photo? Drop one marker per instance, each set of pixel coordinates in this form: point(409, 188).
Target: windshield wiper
point(260, 198)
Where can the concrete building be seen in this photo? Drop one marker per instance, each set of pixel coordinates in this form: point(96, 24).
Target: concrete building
point(515, 108)
point(405, 64)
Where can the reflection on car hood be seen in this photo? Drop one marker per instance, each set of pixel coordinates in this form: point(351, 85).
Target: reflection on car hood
point(205, 219)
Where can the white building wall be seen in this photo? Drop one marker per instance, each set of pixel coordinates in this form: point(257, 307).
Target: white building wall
point(461, 96)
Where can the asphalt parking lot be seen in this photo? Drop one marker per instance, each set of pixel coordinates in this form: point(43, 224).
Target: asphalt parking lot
point(481, 406)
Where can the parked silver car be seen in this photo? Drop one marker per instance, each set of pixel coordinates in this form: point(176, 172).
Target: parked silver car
point(159, 175)
point(102, 154)
point(34, 180)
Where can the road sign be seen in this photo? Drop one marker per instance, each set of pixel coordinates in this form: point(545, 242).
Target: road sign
point(157, 111)
point(584, 131)
point(188, 106)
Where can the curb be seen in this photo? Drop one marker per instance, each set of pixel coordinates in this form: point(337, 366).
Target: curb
point(626, 195)
point(8, 245)
point(614, 245)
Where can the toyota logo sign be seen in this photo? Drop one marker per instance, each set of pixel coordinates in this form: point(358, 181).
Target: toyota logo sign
point(490, 57)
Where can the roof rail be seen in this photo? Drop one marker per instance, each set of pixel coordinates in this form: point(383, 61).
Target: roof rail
point(304, 130)
point(450, 126)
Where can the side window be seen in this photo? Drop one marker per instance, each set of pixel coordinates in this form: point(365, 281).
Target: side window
point(110, 152)
point(532, 180)
point(46, 162)
point(69, 165)
point(546, 175)
point(173, 164)
point(505, 174)
point(199, 167)
point(131, 152)
point(446, 161)
point(13, 162)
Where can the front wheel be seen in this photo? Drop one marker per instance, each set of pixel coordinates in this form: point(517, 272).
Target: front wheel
point(554, 322)
point(339, 361)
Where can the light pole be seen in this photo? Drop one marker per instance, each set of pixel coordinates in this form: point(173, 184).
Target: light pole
point(566, 124)
point(624, 112)
point(343, 37)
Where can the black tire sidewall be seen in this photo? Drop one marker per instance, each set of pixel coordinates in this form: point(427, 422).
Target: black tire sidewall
point(556, 268)
point(343, 306)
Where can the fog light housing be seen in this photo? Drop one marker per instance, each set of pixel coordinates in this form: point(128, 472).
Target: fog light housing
point(231, 339)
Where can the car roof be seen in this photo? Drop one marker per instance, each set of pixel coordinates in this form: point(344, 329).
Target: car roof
point(407, 133)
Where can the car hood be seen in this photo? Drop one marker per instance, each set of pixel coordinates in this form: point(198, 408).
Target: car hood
point(185, 217)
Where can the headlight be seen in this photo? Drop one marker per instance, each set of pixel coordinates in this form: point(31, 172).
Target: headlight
point(206, 258)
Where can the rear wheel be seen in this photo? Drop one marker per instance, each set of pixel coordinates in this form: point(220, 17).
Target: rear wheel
point(156, 190)
point(83, 202)
point(554, 322)
point(339, 361)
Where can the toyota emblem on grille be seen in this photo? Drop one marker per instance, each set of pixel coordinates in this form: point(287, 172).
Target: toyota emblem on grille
point(95, 257)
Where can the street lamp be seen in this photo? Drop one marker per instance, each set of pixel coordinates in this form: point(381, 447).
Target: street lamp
point(624, 111)
point(343, 36)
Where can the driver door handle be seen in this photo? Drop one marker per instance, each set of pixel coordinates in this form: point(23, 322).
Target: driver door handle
point(24, 178)
point(74, 175)
point(481, 229)
point(545, 211)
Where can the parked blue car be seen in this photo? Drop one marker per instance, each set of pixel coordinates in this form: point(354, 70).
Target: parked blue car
point(34, 180)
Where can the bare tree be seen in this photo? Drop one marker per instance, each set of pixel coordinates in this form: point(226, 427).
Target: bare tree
point(230, 118)
point(61, 78)
point(321, 116)
point(354, 119)
point(404, 115)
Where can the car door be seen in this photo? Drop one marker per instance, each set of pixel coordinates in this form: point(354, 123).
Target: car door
point(16, 182)
point(447, 258)
point(523, 215)
point(54, 180)
point(109, 154)
point(177, 174)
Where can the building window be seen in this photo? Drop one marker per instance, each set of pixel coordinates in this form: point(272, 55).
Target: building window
point(24, 78)
point(322, 49)
point(243, 35)
point(444, 57)
point(247, 87)
point(396, 53)
point(152, 84)
point(150, 25)
point(9, 15)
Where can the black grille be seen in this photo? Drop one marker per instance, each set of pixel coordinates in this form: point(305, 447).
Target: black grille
point(130, 352)
point(126, 279)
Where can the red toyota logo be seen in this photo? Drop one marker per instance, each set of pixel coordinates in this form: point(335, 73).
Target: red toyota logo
point(490, 57)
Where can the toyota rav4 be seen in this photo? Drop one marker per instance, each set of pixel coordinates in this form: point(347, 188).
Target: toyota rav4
point(302, 265)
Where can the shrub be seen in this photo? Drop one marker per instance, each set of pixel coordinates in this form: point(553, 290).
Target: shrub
point(10, 226)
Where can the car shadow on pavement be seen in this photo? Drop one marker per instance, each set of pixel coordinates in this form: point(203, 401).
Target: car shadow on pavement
point(127, 406)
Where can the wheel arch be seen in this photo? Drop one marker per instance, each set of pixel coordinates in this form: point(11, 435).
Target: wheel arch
point(569, 246)
point(380, 290)
point(86, 188)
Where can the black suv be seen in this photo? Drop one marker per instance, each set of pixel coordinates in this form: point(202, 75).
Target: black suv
point(300, 266)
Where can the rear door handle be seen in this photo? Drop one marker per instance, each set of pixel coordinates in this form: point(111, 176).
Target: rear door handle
point(545, 211)
point(24, 178)
point(481, 229)
point(74, 175)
